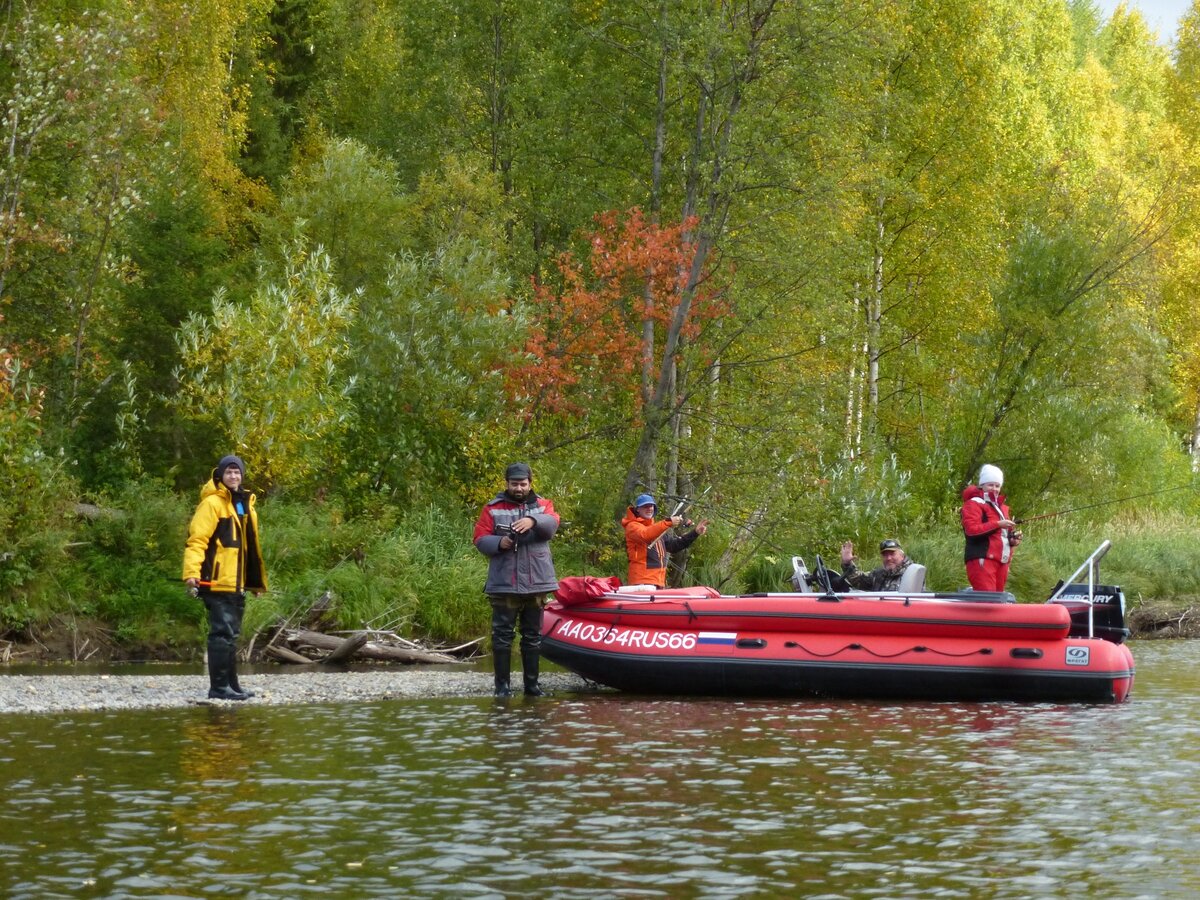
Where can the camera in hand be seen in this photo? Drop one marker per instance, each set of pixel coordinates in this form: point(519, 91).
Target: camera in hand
point(504, 529)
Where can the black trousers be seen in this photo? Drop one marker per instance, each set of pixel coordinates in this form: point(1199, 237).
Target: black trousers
point(224, 619)
point(510, 609)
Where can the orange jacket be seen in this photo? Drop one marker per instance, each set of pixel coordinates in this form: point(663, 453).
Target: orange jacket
point(648, 545)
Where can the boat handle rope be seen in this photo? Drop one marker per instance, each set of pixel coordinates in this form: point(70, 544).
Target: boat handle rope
point(982, 651)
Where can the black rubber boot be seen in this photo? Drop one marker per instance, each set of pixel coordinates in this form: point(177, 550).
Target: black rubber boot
point(530, 660)
point(502, 661)
point(218, 676)
point(233, 677)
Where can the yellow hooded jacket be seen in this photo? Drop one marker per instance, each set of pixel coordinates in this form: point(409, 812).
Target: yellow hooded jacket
point(223, 551)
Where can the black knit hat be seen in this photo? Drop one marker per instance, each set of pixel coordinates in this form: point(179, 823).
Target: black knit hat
point(225, 463)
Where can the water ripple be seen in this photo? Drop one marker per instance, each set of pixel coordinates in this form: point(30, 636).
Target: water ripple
point(634, 797)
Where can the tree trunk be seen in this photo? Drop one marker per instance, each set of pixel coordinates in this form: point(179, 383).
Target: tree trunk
point(662, 405)
point(874, 318)
point(1196, 441)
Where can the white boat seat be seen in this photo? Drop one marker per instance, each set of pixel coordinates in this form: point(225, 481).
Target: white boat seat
point(913, 580)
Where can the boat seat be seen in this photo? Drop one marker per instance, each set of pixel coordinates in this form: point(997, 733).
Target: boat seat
point(970, 596)
point(913, 580)
point(800, 576)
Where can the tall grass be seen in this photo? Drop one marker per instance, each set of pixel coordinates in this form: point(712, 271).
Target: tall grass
point(419, 576)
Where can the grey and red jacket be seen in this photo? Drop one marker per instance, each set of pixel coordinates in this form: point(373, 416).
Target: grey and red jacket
point(981, 525)
point(526, 568)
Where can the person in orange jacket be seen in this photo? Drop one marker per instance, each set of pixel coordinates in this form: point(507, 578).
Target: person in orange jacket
point(648, 543)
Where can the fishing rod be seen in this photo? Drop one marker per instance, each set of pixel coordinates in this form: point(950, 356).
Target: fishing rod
point(687, 503)
point(1063, 512)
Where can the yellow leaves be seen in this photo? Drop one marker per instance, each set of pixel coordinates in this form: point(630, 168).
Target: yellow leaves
point(190, 58)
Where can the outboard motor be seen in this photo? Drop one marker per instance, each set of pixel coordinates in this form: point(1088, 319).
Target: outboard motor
point(1107, 610)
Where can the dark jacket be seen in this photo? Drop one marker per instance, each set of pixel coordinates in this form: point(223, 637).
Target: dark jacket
point(981, 526)
point(648, 543)
point(877, 579)
point(526, 568)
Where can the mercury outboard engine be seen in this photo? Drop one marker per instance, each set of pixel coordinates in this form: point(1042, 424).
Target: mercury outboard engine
point(1106, 610)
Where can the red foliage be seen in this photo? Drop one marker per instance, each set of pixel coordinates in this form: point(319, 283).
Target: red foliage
point(586, 338)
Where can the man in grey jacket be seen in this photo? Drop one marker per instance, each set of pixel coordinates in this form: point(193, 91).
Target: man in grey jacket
point(514, 530)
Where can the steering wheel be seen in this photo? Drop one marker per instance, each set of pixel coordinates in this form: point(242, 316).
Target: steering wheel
point(829, 581)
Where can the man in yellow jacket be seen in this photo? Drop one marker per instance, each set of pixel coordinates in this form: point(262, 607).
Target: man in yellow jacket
point(648, 543)
point(221, 562)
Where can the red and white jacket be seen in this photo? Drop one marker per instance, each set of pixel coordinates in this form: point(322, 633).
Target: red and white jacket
point(981, 517)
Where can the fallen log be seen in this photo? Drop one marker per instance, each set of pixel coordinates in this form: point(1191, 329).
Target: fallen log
point(283, 654)
point(345, 649)
point(370, 649)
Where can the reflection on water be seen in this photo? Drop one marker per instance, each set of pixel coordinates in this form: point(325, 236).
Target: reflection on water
point(572, 796)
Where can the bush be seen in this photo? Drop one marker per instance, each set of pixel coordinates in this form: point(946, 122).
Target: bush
point(419, 576)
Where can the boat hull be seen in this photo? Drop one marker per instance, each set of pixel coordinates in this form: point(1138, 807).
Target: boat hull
point(960, 654)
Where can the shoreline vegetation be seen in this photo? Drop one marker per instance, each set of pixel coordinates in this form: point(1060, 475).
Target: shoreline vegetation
point(106, 587)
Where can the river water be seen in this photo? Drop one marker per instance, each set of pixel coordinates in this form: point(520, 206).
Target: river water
point(588, 795)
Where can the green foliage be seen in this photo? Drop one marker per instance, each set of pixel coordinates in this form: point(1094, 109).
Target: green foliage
point(267, 375)
point(419, 577)
point(36, 498)
point(346, 200)
point(429, 370)
point(768, 573)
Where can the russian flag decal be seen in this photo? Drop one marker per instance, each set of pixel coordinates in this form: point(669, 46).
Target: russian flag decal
point(717, 637)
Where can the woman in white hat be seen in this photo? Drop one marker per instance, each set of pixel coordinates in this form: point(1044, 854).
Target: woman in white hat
point(990, 531)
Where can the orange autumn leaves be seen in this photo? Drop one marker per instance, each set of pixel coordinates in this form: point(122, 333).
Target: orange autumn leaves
point(587, 341)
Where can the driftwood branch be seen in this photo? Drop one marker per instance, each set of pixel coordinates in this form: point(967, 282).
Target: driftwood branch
point(370, 649)
point(283, 654)
point(304, 637)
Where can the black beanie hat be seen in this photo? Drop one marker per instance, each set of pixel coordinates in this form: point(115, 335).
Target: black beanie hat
point(518, 471)
point(225, 463)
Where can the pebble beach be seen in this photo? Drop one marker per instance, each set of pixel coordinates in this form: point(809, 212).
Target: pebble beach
point(76, 693)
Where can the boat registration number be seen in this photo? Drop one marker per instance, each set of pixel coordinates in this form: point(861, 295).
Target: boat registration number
point(610, 635)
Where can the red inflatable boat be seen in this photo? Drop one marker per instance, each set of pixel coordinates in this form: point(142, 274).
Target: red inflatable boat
point(830, 642)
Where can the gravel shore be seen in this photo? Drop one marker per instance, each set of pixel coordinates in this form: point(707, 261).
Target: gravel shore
point(68, 693)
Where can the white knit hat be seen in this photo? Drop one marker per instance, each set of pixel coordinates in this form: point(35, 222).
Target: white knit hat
point(989, 473)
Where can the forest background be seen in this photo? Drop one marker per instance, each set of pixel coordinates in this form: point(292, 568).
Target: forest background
point(812, 261)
